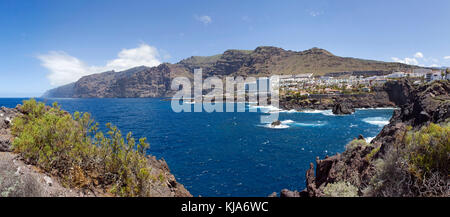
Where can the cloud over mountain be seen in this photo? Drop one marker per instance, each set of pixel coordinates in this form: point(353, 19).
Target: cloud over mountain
point(65, 68)
point(418, 59)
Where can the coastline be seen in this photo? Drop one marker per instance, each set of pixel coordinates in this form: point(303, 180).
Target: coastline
point(405, 113)
point(417, 108)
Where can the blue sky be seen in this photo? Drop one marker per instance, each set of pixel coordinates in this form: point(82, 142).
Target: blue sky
point(46, 43)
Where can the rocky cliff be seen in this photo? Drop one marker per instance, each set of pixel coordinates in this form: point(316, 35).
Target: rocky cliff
point(378, 98)
point(19, 178)
point(263, 61)
point(418, 107)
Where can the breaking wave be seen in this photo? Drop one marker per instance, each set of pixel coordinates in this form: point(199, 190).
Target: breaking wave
point(369, 139)
point(378, 121)
point(323, 112)
point(290, 123)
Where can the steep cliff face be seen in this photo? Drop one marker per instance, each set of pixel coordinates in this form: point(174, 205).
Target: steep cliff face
point(65, 91)
point(418, 107)
point(147, 82)
point(263, 61)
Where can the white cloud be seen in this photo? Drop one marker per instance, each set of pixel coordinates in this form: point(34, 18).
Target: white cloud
point(204, 19)
point(65, 69)
point(315, 13)
point(418, 59)
point(447, 58)
point(418, 55)
point(409, 61)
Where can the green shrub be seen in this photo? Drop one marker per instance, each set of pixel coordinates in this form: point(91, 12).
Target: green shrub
point(73, 149)
point(356, 143)
point(340, 189)
point(372, 153)
point(417, 167)
point(429, 149)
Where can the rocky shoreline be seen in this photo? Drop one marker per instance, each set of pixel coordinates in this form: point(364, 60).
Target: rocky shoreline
point(419, 106)
point(340, 104)
point(21, 179)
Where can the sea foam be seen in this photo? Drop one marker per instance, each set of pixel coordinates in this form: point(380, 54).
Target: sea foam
point(378, 121)
point(290, 123)
point(369, 139)
point(318, 124)
point(323, 112)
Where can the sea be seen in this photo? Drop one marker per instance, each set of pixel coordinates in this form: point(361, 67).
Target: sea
point(223, 154)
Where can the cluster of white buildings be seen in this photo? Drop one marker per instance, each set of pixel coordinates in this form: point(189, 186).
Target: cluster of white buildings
point(307, 82)
point(304, 81)
point(428, 74)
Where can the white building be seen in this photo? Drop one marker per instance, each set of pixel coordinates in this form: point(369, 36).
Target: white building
point(433, 76)
point(396, 75)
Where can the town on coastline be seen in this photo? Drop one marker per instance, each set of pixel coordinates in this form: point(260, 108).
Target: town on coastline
point(340, 83)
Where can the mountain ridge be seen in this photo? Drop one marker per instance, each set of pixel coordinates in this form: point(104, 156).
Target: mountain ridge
point(142, 81)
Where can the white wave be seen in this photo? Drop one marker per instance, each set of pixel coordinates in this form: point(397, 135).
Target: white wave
point(289, 111)
point(379, 121)
point(271, 109)
point(323, 112)
point(266, 109)
point(318, 124)
point(287, 122)
point(369, 139)
point(284, 124)
point(380, 108)
point(281, 126)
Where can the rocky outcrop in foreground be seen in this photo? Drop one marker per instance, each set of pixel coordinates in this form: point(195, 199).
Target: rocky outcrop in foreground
point(419, 106)
point(20, 179)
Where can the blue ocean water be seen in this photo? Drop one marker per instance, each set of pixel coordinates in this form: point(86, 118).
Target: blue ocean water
point(231, 154)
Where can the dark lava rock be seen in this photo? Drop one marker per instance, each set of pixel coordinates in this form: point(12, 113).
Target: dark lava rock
point(342, 109)
point(361, 137)
point(276, 123)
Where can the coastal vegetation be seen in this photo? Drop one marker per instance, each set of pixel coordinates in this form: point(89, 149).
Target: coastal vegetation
point(340, 189)
point(415, 166)
point(72, 148)
point(418, 166)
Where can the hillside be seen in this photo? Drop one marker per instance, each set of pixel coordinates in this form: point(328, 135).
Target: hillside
point(263, 61)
